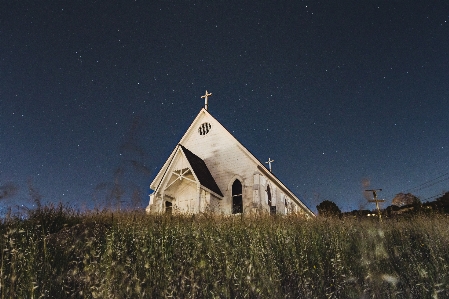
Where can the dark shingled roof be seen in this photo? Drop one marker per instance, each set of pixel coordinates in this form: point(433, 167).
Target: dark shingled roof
point(201, 171)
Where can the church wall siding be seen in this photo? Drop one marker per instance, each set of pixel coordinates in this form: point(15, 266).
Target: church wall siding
point(184, 197)
point(215, 204)
point(224, 159)
point(256, 189)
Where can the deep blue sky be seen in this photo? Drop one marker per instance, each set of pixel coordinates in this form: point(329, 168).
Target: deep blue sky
point(343, 95)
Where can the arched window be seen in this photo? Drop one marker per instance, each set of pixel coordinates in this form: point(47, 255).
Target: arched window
point(237, 203)
point(168, 207)
point(285, 205)
point(272, 208)
point(269, 195)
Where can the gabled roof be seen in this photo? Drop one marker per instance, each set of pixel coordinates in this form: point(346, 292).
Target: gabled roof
point(157, 180)
point(201, 171)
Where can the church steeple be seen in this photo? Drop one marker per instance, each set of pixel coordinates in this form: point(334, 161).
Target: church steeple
point(205, 99)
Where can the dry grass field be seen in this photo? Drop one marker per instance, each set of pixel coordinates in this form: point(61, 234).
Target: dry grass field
point(59, 253)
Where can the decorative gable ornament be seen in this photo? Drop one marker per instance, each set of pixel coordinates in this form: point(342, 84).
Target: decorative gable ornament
point(210, 171)
point(204, 128)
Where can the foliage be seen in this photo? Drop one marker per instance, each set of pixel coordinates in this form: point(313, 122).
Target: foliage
point(7, 190)
point(58, 253)
point(124, 191)
point(402, 199)
point(328, 209)
point(444, 197)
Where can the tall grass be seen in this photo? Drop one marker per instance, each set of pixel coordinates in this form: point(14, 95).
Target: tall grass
point(57, 253)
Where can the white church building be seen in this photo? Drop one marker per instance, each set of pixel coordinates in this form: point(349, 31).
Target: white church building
point(210, 171)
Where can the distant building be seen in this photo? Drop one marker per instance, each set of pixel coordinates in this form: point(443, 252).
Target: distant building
point(209, 170)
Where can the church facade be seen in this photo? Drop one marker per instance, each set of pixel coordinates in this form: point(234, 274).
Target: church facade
point(210, 171)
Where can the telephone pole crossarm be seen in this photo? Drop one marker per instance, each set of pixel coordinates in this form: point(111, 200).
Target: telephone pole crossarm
point(375, 200)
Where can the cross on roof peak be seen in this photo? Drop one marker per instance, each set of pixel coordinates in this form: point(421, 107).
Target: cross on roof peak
point(205, 97)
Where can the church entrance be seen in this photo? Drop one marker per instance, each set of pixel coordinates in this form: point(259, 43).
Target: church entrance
point(237, 203)
point(168, 207)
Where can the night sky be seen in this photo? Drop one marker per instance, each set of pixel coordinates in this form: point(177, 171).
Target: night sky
point(343, 95)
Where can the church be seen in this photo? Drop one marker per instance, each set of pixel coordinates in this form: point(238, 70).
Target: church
point(211, 171)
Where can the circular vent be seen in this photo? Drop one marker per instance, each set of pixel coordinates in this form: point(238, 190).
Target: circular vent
point(204, 128)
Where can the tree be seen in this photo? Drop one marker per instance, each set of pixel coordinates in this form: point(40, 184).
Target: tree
point(123, 189)
point(402, 199)
point(7, 190)
point(444, 198)
point(328, 209)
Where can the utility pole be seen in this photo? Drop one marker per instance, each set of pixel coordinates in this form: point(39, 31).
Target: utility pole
point(375, 200)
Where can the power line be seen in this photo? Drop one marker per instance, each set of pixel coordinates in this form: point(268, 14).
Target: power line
point(427, 184)
point(430, 183)
point(435, 196)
